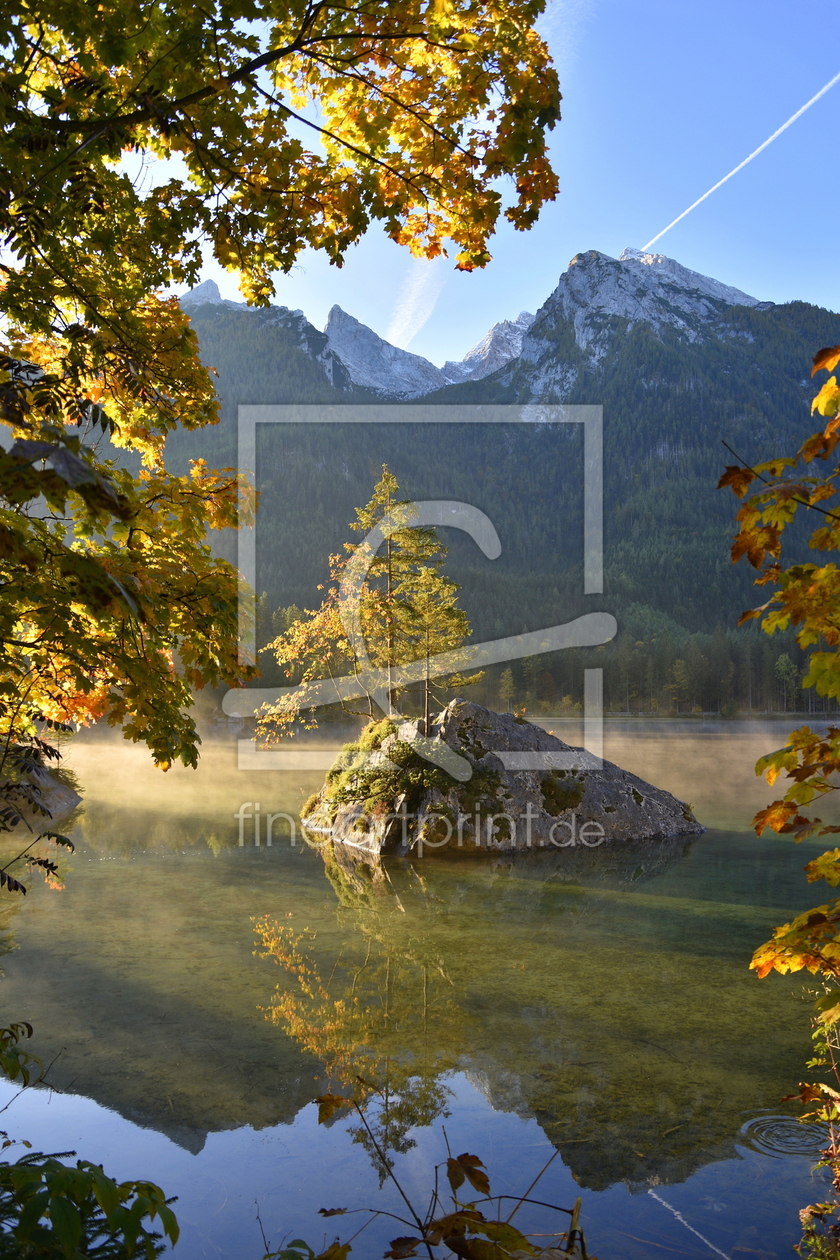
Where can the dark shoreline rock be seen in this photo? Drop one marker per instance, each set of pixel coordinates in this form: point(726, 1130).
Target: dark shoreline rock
point(527, 790)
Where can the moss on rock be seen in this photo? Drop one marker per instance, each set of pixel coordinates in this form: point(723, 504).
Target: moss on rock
point(560, 794)
point(383, 794)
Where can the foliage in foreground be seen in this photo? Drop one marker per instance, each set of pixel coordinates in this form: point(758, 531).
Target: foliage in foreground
point(374, 1052)
point(50, 1210)
point(56, 1211)
point(462, 1230)
point(114, 606)
point(805, 596)
point(821, 1221)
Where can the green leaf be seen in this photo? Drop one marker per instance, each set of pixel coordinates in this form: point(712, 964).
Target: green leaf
point(506, 1235)
point(66, 1223)
point(33, 1210)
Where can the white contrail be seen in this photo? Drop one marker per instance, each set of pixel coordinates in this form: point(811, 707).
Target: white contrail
point(683, 1221)
point(416, 301)
point(741, 165)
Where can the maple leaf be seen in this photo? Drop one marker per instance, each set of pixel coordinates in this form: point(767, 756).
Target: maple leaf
point(738, 478)
point(328, 1104)
point(827, 359)
point(469, 1167)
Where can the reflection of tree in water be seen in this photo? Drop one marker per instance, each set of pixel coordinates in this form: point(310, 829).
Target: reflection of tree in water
point(621, 1020)
point(384, 1022)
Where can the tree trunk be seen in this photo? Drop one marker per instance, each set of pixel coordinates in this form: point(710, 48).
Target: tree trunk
point(426, 689)
point(389, 645)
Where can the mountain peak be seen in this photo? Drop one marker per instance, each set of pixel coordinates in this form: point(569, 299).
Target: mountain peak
point(207, 291)
point(639, 288)
point(374, 363)
point(337, 317)
point(669, 270)
point(497, 347)
point(207, 294)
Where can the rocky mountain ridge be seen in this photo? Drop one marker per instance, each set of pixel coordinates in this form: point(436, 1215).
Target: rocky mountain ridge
point(354, 355)
point(598, 296)
point(593, 293)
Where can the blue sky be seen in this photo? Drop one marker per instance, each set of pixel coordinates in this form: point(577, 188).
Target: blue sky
point(661, 99)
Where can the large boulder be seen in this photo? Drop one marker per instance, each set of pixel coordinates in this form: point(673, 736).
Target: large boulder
point(526, 790)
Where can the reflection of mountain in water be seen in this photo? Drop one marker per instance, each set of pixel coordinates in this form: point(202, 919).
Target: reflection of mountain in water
point(603, 992)
point(585, 999)
point(141, 983)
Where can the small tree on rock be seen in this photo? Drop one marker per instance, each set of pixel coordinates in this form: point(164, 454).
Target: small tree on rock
point(408, 613)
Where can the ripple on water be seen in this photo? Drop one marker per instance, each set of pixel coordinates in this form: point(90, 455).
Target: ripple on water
point(782, 1135)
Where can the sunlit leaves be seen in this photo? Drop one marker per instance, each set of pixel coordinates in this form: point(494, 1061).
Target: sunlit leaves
point(91, 627)
point(114, 606)
point(826, 866)
point(827, 400)
point(827, 359)
point(434, 106)
point(809, 942)
point(407, 611)
point(807, 597)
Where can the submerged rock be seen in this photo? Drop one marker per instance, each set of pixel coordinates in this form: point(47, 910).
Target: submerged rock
point(526, 790)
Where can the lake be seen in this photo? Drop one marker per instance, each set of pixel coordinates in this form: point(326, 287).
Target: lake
point(193, 997)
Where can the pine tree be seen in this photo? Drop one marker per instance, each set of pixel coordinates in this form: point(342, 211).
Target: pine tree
point(507, 688)
point(387, 617)
point(439, 624)
point(408, 612)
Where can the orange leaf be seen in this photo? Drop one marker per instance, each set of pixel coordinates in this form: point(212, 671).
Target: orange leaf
point(328, 1104)
point(740, 479)
point(827, 358)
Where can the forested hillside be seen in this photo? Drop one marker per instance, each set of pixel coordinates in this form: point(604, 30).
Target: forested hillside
point(671, 393)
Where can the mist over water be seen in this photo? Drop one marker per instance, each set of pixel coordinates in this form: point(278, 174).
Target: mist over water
point(599, 1003)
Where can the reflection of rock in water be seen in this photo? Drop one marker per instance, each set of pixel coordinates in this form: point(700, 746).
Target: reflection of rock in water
point(149, 1011)
point(595, 1004)
point(360, 877)
point(594, 991)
